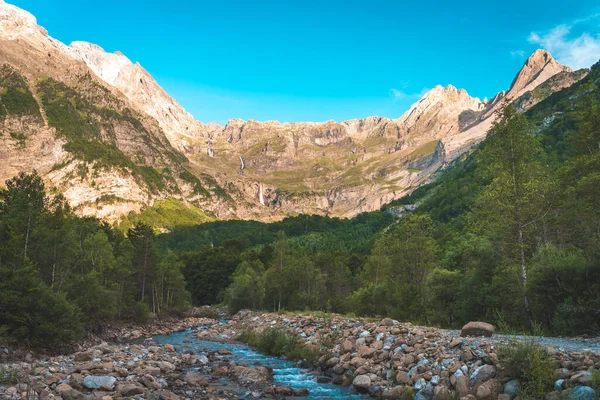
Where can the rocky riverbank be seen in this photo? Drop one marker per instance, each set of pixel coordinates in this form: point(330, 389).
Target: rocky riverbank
point(384, 359)
point(391, 360)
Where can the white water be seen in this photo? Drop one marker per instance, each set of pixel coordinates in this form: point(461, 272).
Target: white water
point(285, 373)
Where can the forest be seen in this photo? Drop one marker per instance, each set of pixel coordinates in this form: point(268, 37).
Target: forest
point(61, 274)
point(508, 234)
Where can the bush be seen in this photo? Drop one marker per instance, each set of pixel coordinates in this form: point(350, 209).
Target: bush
point(53, 320)
point(139, 313)
point(9, 376)
point(596, 379)
point(531, 364)
point(276, 342)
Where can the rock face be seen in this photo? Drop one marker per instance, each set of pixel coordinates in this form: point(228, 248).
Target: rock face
point(475, 328)
point(139, 87)
point(146, 147)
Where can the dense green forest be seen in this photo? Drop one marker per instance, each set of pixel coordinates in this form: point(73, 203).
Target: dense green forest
point(508, 234)
point(61, 274)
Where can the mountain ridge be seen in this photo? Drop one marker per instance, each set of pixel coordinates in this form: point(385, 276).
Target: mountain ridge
point(245, 169)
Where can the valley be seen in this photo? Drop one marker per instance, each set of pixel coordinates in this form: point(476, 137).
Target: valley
point(448, 252)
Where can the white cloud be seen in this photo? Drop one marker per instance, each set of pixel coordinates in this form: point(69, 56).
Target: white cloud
point(398, 94)
point(576, 52)
point(518, 53)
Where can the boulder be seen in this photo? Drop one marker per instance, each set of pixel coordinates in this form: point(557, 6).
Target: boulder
point(511, 388)
point(99, 382)
point(487, 391)
point(462, 386)
point(195, 379)
point(582, 393)
point(402, 378)
point(483, 373)
point(442, 393)
point(259, 375)
point(83, 356)
point(362, 383)
point(477, 328)
point(72, 394)
point(129, 390)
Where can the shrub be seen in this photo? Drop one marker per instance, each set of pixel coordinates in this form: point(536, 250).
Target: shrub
point(596, 379)
point(138, 312)
point(9, 376)
point(277, 342)
point(531, 364)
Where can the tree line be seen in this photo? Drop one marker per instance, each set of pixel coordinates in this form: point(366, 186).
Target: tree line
point(61, 274)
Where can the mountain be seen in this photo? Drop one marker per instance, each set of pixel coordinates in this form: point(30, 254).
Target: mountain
point(103, 132)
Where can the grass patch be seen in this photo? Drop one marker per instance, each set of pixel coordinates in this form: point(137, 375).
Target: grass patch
point(167, 214)
point(424, 150)
point(530, 363)
point(595, 379)
point(19, 138)
point(277, 342)
point(9, 376)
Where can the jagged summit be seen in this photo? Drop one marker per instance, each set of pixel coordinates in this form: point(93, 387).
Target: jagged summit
point(106, 65)
point(15, 21)
point(441, 111)
point(539, 67)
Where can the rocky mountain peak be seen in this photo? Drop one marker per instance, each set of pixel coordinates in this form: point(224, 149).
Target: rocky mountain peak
point(141, 88)
point(16, 22)
point(107, 66)
point(539, 67)
point(441, 106)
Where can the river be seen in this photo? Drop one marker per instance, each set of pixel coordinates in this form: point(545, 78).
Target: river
point(286, 373)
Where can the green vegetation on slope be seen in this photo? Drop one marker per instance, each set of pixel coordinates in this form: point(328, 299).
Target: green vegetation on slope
point(89, 130)
point(15, 97)
point(61, 274)
point(166, 214)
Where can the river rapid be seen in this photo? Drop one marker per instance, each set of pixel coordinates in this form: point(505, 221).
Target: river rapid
point(285, 372)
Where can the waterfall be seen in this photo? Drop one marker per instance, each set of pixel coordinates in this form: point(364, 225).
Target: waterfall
point(260, 195)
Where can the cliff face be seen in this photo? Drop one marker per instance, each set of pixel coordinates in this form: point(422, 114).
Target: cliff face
point(100, 129)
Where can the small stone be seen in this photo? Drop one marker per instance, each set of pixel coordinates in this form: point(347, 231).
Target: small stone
point(169, 347)
point(402, 378)
point(419, 384)
point(63, 387)
point(362, 383)
point(72, 395)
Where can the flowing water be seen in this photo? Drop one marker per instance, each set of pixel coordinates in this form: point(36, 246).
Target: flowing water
point(285, 372)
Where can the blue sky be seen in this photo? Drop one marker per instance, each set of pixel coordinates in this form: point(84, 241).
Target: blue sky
point(315, 60)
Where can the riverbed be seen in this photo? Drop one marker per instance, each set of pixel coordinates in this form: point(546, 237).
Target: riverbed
point(285, 372)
